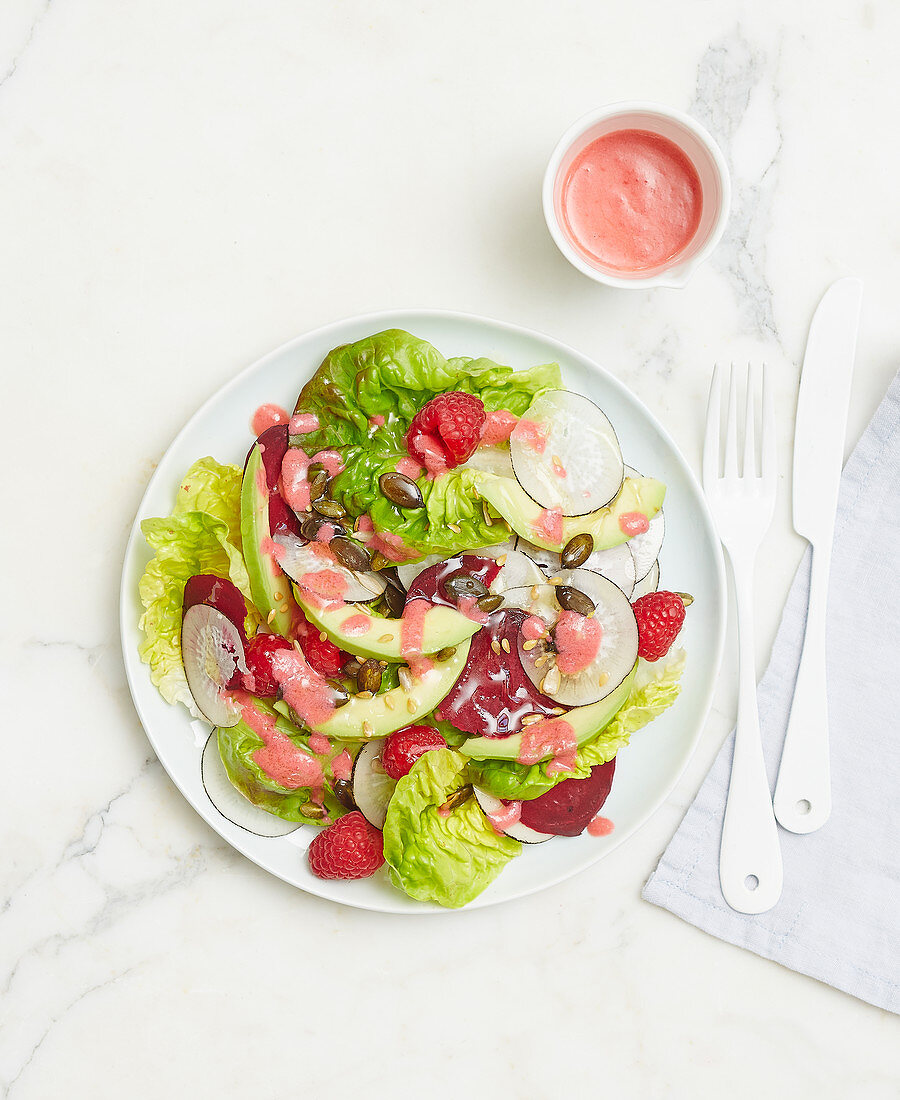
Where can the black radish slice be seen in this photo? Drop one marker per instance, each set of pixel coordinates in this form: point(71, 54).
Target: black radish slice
point(565, 454)
point(492, 808)
point(372, 786)
point(300, 560)
point(649, 584)
point(229, 801)
point(212, 653)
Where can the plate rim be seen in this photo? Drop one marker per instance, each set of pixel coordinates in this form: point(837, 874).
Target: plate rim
point(379, 317)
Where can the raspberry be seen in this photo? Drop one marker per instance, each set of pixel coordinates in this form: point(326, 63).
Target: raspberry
point(659, 618)
point(322, 655)
point(446, 431)
point(258, 654)
point(403, 748)
point(350, 848)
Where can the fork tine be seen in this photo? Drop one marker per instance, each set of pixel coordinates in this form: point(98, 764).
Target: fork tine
point(731, 443)
point(711, 440)
point(769, 457)
point(749, 469)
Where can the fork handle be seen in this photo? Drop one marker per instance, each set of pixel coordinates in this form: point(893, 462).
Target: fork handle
point(803, 788)
point(750, 870)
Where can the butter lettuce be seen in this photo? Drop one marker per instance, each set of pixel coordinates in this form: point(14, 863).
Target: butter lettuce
point(448, 859)
point(365, 395)
point(655, 690)
point(201, 536)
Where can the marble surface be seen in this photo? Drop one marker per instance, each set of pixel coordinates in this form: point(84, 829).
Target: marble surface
point(185, 185)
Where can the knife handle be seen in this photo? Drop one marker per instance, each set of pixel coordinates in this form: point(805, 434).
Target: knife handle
point(803, 789)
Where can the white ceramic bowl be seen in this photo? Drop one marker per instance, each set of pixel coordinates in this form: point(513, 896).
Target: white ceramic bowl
point(700, 148)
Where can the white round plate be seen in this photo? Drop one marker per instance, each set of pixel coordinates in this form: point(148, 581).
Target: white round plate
point(691, 561)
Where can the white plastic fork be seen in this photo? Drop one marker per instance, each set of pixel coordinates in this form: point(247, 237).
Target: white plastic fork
point(742, 504)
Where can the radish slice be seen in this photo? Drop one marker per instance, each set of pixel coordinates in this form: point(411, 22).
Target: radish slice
point(616, 564)
point(302, 558)
point(615, 655)
point(372, 786)
point(491, 806)
point(493, 460)
point(212, 652)
point(565, 454)
point(229, 801)
point(408, 573)
point(650, 583)
point(517, 571)
point(645, 548)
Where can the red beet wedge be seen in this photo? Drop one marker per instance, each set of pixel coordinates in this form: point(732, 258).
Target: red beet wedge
point(570, 806)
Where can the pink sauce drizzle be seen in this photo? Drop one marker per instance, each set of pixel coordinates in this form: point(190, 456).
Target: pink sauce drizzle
point(356, 625)
point(412, 626)
point(549, 525)
point(342, 765)
point(331, 460)
point(534, 628)
point(468, 606)
point(633, 523)
point(376, 421)
point(433, 454)
point(392, 547)
point(319, 743)
point(600, 826)
point(548, 737)
point(294, 484)
point(577, 641)
point(325, 533)
point(302, 688)
point(303, 424)
point(267, 416)
point(558, 468)
point(507, 816)
point(410, 468)
point(564, 762)
point(274, 551)
point(531, 434)
point(419, 666)
point(498, 427)
point(279, 757)
point(324, 588)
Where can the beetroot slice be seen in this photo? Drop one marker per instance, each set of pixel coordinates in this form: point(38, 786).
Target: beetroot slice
point(493, 692)
point(274, 444)
point(429, 584)
point(220, 593)
point(570, 806)
point(282, 519)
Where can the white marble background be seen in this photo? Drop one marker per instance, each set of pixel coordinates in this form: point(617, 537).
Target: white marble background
point(185, 184)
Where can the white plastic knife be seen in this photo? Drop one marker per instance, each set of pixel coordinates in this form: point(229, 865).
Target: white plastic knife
point(803, 791)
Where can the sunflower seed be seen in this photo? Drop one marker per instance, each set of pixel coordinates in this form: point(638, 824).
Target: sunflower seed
point(551, 682)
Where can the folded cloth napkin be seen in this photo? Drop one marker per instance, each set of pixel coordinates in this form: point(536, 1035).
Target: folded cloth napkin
point(838, 919)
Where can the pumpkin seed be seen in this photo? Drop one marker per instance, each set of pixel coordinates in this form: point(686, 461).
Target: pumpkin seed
point(325, 506)
point(457, 798)
point(368, 678)
point(461, 584)
point(343, 792)
point(379, 561)
point(401, 490)
point(309, 528)
point(571, 599)
point(351, 667)
point(350, 553)
point(577, 551)
point(489, 603)
point(395, 600)
point(446, 653)
point(318, 485)
point(313, 811)
point(340, 694)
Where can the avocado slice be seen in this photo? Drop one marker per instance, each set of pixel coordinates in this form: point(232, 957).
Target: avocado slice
point(441, 627)
point(638, 494)
point(394, 709)
point(586, 722)
point(269, 587)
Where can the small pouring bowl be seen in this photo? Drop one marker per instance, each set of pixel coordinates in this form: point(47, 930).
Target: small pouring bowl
point(697, 145)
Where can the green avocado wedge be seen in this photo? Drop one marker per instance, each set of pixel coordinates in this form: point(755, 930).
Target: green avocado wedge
point(442, 627)
point(506, 496)
point(366, 719)
point(586, 722)
point(269, 587)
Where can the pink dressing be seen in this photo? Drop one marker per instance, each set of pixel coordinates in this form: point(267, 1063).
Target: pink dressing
point(303, 424)
point(419, 666)
point(549, 525)
point(331, 460)
point(356, 625)
point(549, 737)
point(267, 416)
point(633, 523)
point(564, 762)
point(600, 826)
point(497, 428)
point(319, 743)
point(507, 816)
point(577, 642)
point(302, 688)
point(325, 533)
point(410, 468)
point(376, 421)
point(433, 454)
point(324, 588)
point(342, 765)
point(468, 606)
point(392, 547)
point(279, 757)
point(531, 434)
point(294, 483)
point(412, 627)
point(558, 467)
point(274, 551)
point(534, 628)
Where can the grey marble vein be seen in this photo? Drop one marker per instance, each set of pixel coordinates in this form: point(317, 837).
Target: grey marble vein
point(29, 38)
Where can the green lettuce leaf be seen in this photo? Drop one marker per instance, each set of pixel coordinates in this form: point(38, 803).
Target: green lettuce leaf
point(238, 743)
point(201, 536)
point(389, 377)
point(655, 690)
point(446, 859)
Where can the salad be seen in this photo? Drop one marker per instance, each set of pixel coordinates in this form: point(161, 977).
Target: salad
point(423, 618)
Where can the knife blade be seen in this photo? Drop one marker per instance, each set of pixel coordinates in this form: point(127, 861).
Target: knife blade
point(802, 799)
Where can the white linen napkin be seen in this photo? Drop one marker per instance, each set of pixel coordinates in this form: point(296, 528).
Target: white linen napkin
point(838, 918)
